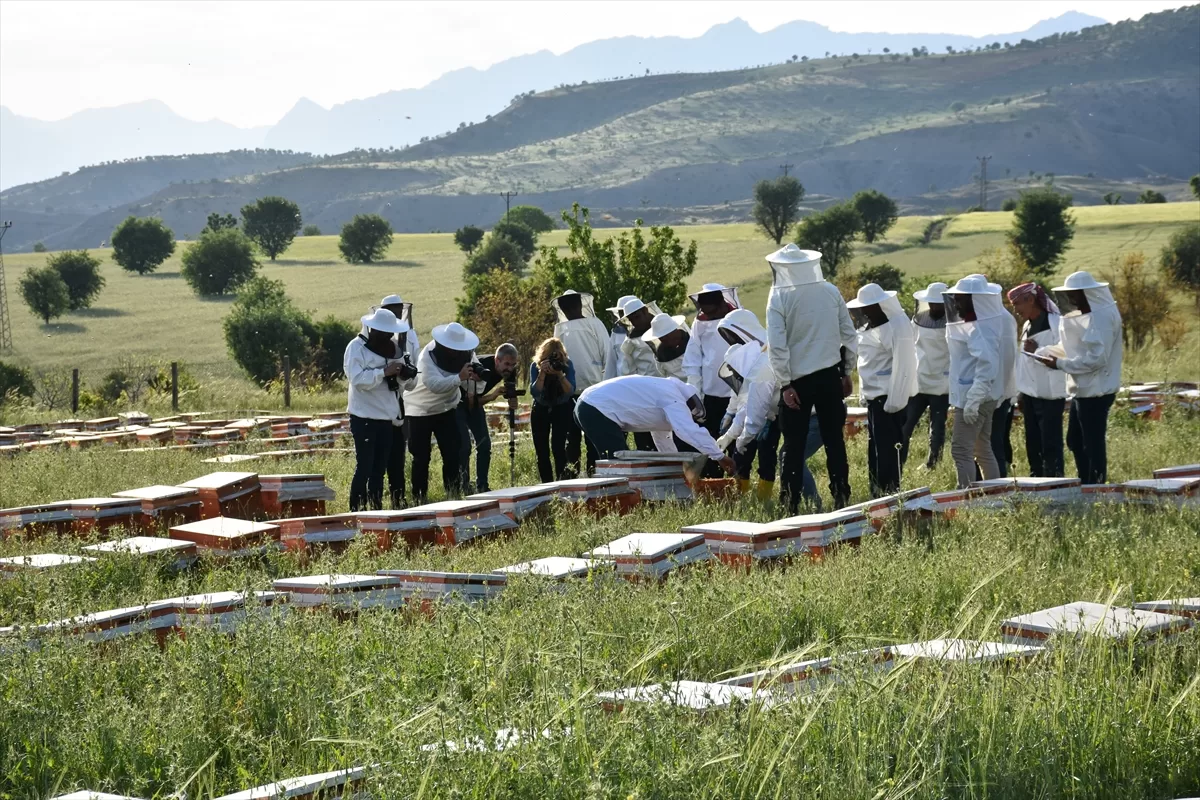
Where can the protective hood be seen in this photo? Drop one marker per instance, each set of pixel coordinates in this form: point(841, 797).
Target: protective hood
point(887, 354)
point(633, 306)
point(791, 266)
point(664, 325)
point(729, 293)
point(586, 304)
point(745, 363)
point(729, 372)
point(924, 297)
point(1099, 297)
point(745, 325)
point(985, 297)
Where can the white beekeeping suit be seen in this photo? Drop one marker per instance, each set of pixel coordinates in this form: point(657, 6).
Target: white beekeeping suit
point(807, 322)
point(669, 355)
point(747, 370)
point(613, 366)
point(741, 327)
point(933, 353)
point(412, 342)
point(1009, 351)
point(1092, 349)
point(706, 349)
point(638, 357)
point(585, 338)
point(1035, 379)
point(981, 357)
point(887, 354)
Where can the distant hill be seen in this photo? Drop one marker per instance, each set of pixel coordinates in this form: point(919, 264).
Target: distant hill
point(1114, 103)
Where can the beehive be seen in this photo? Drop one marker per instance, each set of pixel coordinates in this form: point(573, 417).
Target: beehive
point(1093, 619)
point(227, 537)
point(651, 556)
point(229, 494)
point(166, 506)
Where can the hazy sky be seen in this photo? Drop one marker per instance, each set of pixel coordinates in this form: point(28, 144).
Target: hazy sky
point(248, 62)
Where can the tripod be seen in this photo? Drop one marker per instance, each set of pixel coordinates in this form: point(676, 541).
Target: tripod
point(512, 446)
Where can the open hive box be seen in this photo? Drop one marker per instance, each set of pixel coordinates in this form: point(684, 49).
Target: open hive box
point(1093, 619)
point(333, 530)
point(558, 568)
point(422, 590)
point(302, 495)
point(519, 502)
point(694, 695)
point(740, 543)
point(229, 494)
point(55, 518)
point(227, 537)
point(342, 592)
point(97, 515)
point(652, 479)
point(651, 556)
point(343, 784)
point(598, 495)
point(181, 554)
point(817, 533)
point(13, 566)
point(1179, 491)
point(1180, 607)
point(166, 506)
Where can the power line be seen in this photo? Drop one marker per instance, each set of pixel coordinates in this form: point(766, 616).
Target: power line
point(508, 196)
point(5, 324)
point(786, 168)
point(983, 162)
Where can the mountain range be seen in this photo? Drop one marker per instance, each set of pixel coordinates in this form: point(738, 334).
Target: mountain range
point(32, 149)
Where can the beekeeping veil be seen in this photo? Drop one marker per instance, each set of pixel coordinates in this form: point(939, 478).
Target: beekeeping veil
point(714, 293)
point(572, 300)
point(662, 326)
point(924, 297)
point(887, 354)
point(1095, 292)
point(791, 266)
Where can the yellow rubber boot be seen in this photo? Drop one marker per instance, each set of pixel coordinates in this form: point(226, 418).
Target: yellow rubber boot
point(743, 485)
point(766, 490)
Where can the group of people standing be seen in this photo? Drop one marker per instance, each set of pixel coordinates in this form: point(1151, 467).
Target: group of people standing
point(733, 389)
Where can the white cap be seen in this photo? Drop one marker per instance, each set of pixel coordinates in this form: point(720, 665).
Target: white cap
point(455, 337)
point(930, 294)
point(661, 325)
point(392, 300)
point(384, 320)
point(869, 295)
point(974, 284)
point(1078, 281)
point(791, 254)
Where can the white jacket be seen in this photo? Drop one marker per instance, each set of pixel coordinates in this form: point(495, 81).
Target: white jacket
point(369, 396)
point(703, 358)
point(1035, 379)
point(981, 356)
point(658, 405)
point(587, 344)
point(807, 323)
point(1010, 346)
point(887, 360)
point(638, 358)
point(436, 390)
point(758, 401)
point(1093, 346)
point(673, 369)
point(933, 356)
point(613, 365)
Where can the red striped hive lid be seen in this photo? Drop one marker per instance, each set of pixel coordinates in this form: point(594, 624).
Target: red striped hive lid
point(1091, 618)
point(649, 547)
point(222, 481)
point(1184, 471)
point(225, 531)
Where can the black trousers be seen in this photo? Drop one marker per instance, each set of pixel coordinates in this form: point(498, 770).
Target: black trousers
point(445, 428)
point(884, 446)
point(1043, 435)
point(820, 391)
point(395, 466)
point(372, 444)
point(1002, 436)
point(767, 451)
point(939, 407)
point(642, 440)
point(1087, 432)
point(577, 444)
point(714, 412)
point(554, 428)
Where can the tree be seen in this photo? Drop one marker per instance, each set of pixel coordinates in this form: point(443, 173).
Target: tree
point(327, 342)
point(263, 326)
point(498, 252)
point(45, 292)
point(1180, 260)
point(1112, 199)
point(219, 262)
point(468, 238)
point(1151, 196)
point(272, 223)
point(141, 244)
point(653, 268)
point(503, 307)
point(832, 232)
point(537, 220)
point(216, 222)
point(80, 271)
point(1195, 184)
point(1145, 303)
point(1009, 204)
point(38, 247)
point(1042, 229)
point(365, 239)
point(777, 206)
point(878, 212)
point(311, 230)
point(15, 382)
point(883, 275)
point(520, 234)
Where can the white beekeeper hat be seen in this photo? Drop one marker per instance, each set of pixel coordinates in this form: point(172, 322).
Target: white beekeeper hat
point(974, 284)
point(931, 293)
point(383, 320)
point(791, 254)
point(618, 310)
point(455, 337)
point(1078, 281)
point(869, 295)
point(392, 300)
point(662, 325)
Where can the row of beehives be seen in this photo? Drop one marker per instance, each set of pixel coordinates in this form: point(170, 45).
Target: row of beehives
point(342, 783)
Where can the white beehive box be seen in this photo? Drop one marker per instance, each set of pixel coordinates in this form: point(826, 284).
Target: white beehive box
point(181, 553)
point(297, 533)
point(425, 586)
point(1100, 494)
point(1180, 607)
point(519, 501)
point(558, 568)
point(84, 794)
point(817, 532)
point(229, 537)
point(740, 543)
point(413, 527)
point(653, 479)
point(103, 626)
point(964, 650)
point(462, 521)
point(297, 487)
point(652, 555)
point(16, 565)
point(1185, 471)
point(1180, 491)
point(695, 695)
point(581, 489)
point(1095, 619)
point(879, 509)
point(1050, 490)
point(343, 783)
point(55, 516)
point(224, 610)
point(790, 678)
point(343, 592)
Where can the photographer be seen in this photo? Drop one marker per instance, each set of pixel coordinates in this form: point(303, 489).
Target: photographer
point(410, 346)
point(552, 418)
point(377, 374)
point(490, 377)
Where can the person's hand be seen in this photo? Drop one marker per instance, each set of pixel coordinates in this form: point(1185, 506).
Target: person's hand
point(1049, 361)
point(545, 366)
point(466, 372)
point(1030, 346)
point(764, 434)
point(728, 465)
point(393, 368)
point(970, 415)
point(791, 399)
point(847, 387)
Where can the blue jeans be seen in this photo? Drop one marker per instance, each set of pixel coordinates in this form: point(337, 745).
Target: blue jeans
point(604, 434)
point(372, 446)
point(472, 424)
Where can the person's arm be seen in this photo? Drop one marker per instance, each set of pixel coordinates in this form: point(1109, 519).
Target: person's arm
point(778, 351)
point(849, 338)
point(663, 442)
point(685, 427)
point(987, 372)
point(758, 408)
point(361, 376)
point(1093, 356)
point(904, 371)
point(536, 380)
point(693, 363)
point(736, 426)
point(434, 378)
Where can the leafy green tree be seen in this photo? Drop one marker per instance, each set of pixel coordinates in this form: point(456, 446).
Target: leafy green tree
point(263, 326)
point(1009, 204)
point(1195, 184)
point(468, 238)
point(15, 382)
point(45, 292)
point(520, 234)
point(532, 217)
point(832, 232)
point(500, 306)
point(141, 244)
point(498, 252)
point(777, 206)
point(1112, 198)
point(653, 268)
point(219, 262)
point(327, 345)
point(878, 212)
point(365, 239)
point(1180, 260)
point(216, 222)
point(272, 223)
point(311, 230)
point(80, 271)
point(39, 247)
point(1042, 229)
point(883, 275)
point(1151, 196)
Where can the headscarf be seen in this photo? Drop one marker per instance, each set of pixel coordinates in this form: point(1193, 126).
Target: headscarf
point(1026, 289)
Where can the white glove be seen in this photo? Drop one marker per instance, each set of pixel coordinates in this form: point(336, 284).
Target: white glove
point(725, 440)
point(970, 415)
point(889, 408)
point(726, 421)
point(695, 380)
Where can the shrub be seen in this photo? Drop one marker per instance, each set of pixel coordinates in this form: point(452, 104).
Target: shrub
point(328, 339)
point(39, 248)
point(15, 382)
point(219, 262)
point(311, 230)
point(1151, 196)
point(878, 212)
point(1005, 266)
point(262, 327)
point(1009, 204)
point(468, 238)
point(1042, 229)
point(216, 222)
point(498, 252)
point(141, 245)
point(884, 274)
point(520, 234)
point(832, 232)
point(532, 217)
point(271, 223)
point(508, 308)
point(365, 239)
point(1145, 303)
point(80, 271)
point(45, 292)
point(1180, 260)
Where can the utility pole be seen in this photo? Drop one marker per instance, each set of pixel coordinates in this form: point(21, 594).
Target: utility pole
point(5, 325)
point(508, 196)
point(786, 168)
point(983, 162)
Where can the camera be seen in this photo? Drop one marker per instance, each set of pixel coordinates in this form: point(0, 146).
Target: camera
point(511, 392)
point(557, 364)
point(407, 372)
point(482, 373)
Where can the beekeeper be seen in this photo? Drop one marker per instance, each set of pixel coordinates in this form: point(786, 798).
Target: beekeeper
point(979, 357)
point(638, 357)
point(669, 339)
point(661, 407)
point(612, 366)
point(811, 343)
point(887, 374)
point(1090, 352)
point(706, 349)
point(1042, 391)
point(410, 345)
point(933, 372)
point(1002, 418)
point(583, 335)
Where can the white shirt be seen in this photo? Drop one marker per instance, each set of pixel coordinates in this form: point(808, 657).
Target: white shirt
point(1093, 346)
point(1035, 379)
point(639, 358)
point(587, 343)
point(659, 405)
point(807, 325)
point(887, 364)
point(673, 369)
point(436, 390)
point(614, 366)
point(703, 358)
point(933, 359)
point(369, 396)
